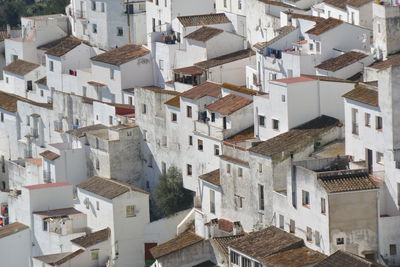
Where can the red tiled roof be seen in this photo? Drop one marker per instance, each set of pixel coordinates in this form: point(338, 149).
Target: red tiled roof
point(204, 34)
point(211, 177)
point(37, 162)
point(363, 95)
point(204, 89)
point(175, 101)
point(21, 67)
point(41, 186)
point(344, 60)
point(229, 104)
point(299, 79)
point(324, 26)
point(206, 19)
point(191, 70)
point(121, 55)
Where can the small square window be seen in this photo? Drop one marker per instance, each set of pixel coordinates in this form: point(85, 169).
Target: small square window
point(189, 169)
point(378, 123)
point(130, 211)
point(51, 65)
point(200, 145)
point(311, 46)
point(393, 249)
point(213, 117)
point(240, 172)
point(283, 98)
point(306, 198)
point(275, 124)
point(367, 120)
point(174, 117)
point(190, 140)
point(120, 31)
point(94, 28)
point(261, 120)
point(144, 109)
point(340, 241)
point(188, 111)
point(260, 168)
point(216, 150)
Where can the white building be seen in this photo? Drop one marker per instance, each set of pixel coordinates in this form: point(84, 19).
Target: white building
point(17, 238)
point(108, 24)
point(122, 208)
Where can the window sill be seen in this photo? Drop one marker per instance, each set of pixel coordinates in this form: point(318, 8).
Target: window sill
point(306, 206)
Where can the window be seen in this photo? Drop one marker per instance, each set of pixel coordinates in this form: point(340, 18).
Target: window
point(189, 169)
point(275, 124)
point(161, 64)
point(379, 158)
point(94, 255)
point(110, 120)
point(112, 74)
point(212, 201)
point(188, 111)
point(190, 140)
point(367, 119)
point(200, 145)
point(323, 205)
point(393, 249)
point(14, 58)
point(261, 120)
point(213, 117)
point(6, 79)
point(97, 142)
point(311, 46)
point(216, 150)
point(281, 222)
point(317, 239)
point(339, 241)
point(144, 135)
point(130, 100)
point(228, 168)
point(309, 234)
point(153, 21)
point(318, 47)
point(164, 142)
point(163, 167)
point(41, 93)
point(246, 262)
point(51, 65)
point(283, 98)
point(144, 109)
point(292, 227)
point(173, 117)
point(150, 161)
point(94, 5)
point(165, 3)
point(354, 125)
point(306, 198)
point(97, 205)
point(239, 4)
point(147, 184)
point(379, 28)
point(130, 211)
point(94, 28)
point(76, 122)
point(103, 9)
point(272, 76)
point(240, 172)
point(225, 3)
point(120, 31)
point(157, 2)
point(238, 201)
point(259, 167)
point(97, 164)
point(260, 197)
point(2, 117)
point(84, 90)
point(234, 258)
point(290, 73)
point(378, 123)
point(44, 225)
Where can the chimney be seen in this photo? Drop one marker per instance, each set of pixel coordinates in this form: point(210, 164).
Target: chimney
point(237, 228)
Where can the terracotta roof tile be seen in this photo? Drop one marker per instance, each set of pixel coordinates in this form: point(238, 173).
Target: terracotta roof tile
point(242, 89)
point(59, 258)
point(160, 90)
point(344, 60)
point(390, 61)
point(62, 46)
point(58, 212)
point(206, 19)
point(206, 264)
point(281, 33)
point(299, 79)
point(49, 155)
point(234, 160)
point(21, 67)
point(364, 95)
point(192, 70)
point(108, 188)
point(266, 242)
point(305, 17)
point(42, 81)
point(9, 102)
point(204, 34)
point(298, 257)
point(80, 132)
point(12, 228)
point(225, 225)
point(296, 138)
point(229, 104)
point(358, 3)
point(182, 241)
point(211, 177)
point(343, 3)
point(277, 3)
point(221, 60)
point(327, 78)
point(121, 55)
point(222, 243)
point(92, 238)
point(346, 180)
point(37, 162)
point(204, 89)
point(342, 258)
point(175, 101)
point(324, 26)
point(50, 185)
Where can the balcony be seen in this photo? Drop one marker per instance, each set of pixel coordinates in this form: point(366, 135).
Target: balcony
point(212, 131)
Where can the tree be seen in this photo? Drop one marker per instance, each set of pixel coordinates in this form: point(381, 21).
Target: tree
point(171, 196)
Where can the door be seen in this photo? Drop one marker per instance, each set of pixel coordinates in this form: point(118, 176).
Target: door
point(368, 158)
